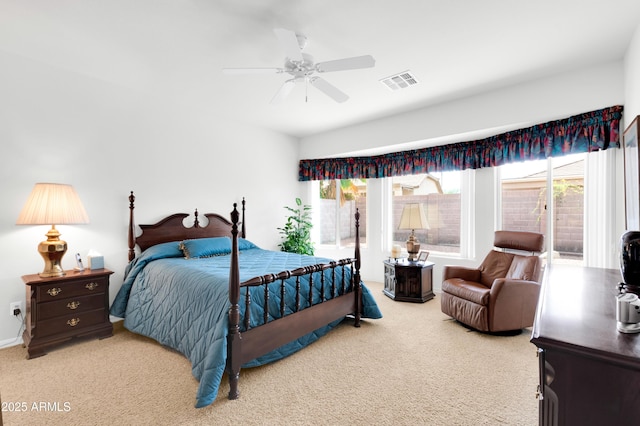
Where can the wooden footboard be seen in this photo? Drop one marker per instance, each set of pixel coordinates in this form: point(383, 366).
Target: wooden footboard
point(345, 299)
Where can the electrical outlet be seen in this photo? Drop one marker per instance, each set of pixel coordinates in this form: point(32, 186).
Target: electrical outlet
point(13, 306)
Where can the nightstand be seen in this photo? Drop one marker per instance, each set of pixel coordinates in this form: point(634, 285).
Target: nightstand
point(64, 308)
point(408, 281)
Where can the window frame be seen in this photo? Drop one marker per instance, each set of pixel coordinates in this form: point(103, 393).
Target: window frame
point(550, 208)
point(467, 225)
point(315, 217)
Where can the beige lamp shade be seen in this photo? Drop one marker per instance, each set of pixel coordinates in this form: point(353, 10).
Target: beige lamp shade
point(413, 218)
point(52, 204)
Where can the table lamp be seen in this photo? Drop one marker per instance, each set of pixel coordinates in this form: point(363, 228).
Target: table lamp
point(413, 218)
point(51, 204)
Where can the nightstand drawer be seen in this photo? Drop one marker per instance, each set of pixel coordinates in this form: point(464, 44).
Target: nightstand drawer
point(80, 287)
point(70, 323)
point(70, 306)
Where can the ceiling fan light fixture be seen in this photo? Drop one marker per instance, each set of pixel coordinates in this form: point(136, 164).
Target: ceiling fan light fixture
point(302, 40)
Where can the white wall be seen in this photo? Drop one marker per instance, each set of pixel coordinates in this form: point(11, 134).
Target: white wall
point(510, 108)
point(513, 107)
point(631, 80)
point(107, 140)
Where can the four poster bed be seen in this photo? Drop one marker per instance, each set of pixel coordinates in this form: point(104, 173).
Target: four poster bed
point(211, 294)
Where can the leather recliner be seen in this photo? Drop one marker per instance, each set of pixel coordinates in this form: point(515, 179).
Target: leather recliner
point(502, 293)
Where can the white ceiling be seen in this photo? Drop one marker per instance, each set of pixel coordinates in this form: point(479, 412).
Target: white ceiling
point(176, 49)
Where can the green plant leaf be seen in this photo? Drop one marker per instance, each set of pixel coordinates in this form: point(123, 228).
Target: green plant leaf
point(296, 232)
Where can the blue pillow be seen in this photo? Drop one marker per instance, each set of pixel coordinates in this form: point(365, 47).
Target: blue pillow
point(245, 244)
point(170, 249)
point(206, 247)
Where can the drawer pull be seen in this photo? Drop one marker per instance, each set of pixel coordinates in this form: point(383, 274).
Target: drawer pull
point(54, 291)
point(73, 322)
point(91, 286)
point(73, 305)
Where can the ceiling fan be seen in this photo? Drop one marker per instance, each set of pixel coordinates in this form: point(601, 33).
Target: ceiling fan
point(301, 67)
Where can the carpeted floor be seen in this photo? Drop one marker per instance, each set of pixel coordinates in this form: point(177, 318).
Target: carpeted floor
point(414, 366)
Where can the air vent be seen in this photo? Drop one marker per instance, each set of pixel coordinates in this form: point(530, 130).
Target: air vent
point(400, 81)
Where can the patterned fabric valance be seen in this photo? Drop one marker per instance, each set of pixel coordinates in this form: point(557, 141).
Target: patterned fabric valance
point(591, 131)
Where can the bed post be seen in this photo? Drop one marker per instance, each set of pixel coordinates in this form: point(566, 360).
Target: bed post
point(233, 338)
point(132, 233)
point(243, 234)
point(357, 282)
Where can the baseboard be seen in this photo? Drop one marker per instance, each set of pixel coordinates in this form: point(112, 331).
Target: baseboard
point(7, 343)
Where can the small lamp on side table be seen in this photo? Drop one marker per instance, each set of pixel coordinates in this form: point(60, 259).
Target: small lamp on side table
point(51, 204)
point(413, 218)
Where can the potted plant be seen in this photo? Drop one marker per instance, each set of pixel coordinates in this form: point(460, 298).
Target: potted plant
point(296, 232)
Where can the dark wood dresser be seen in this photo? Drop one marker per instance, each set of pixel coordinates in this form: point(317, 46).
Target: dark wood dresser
point(63, 308)
point(589, 372)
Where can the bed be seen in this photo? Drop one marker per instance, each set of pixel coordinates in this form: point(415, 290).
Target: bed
point(190, 288)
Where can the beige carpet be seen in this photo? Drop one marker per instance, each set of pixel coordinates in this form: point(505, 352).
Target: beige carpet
point(414, 366)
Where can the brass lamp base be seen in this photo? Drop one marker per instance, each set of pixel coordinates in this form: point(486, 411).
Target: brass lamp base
point(413, 246)
point(52, 250)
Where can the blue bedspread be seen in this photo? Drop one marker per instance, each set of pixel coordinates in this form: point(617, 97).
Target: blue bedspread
point(183, 304)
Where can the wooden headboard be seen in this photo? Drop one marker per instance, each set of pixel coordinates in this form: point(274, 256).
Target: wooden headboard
point(172, 228)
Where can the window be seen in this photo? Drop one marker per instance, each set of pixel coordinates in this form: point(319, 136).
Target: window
point(527, 206)
point(440, 196)
point(338, 201)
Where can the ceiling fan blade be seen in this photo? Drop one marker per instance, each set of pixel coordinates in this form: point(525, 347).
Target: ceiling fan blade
point(234, 71)
point(289, 43)
point(284, 91)
point(328, 89)
point(353, 63)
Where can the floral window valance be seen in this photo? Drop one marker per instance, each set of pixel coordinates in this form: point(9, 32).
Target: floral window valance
point(591, 131)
